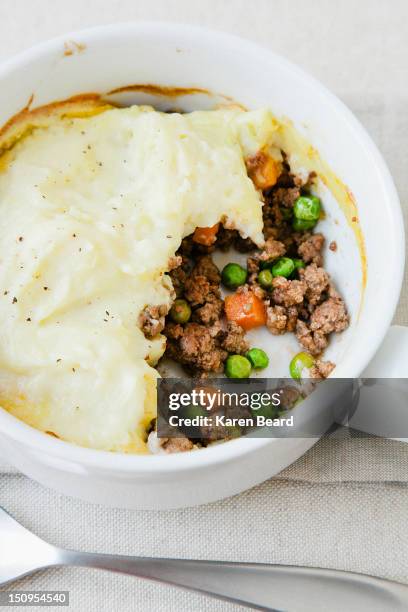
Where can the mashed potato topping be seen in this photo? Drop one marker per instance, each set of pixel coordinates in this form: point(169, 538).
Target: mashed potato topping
point(92, 210)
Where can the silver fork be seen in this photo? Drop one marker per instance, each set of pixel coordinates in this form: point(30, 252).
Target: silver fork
point(255, 585)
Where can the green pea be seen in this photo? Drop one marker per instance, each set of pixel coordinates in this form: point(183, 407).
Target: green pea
point(301, 361)
point(258, 358)
point(307, 208)
point(233, 275)
point(265, 278)
point(269, 411)
point(190, 412)
point(298, 263)
point(300, 225)
point(283, 267)
point(180, 312)
point(237, 366)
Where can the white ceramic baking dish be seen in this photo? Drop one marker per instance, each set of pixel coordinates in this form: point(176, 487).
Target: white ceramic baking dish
point(105, 58)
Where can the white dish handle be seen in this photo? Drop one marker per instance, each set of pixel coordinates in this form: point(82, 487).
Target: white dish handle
point(391, 359)
point(383, 405)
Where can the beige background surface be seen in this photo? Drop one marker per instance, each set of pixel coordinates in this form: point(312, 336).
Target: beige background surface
point(344, 505)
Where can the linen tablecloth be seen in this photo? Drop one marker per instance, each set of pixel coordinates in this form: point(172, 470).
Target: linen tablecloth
point(344, 504)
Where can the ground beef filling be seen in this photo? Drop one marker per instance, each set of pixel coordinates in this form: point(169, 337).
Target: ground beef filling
point(308, 306)
point(203, 344)
point(152, 320)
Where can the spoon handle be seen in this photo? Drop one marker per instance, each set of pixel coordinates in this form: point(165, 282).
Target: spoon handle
point(257, 585)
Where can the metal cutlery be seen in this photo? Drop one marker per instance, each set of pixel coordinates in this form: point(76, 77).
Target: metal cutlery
point(255, 585)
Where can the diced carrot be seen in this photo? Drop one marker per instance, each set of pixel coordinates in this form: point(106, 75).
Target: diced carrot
point(263, 170)
point(206, 235)
point(246, 309)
